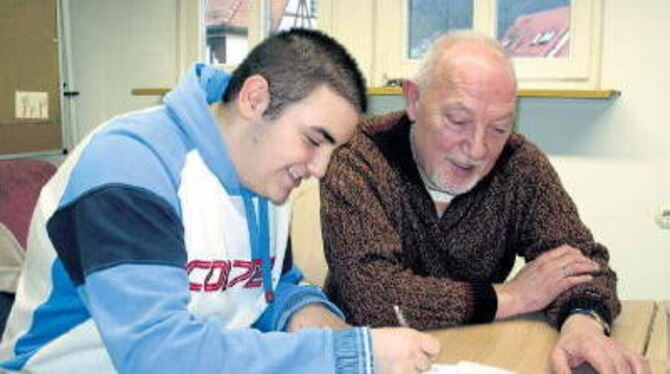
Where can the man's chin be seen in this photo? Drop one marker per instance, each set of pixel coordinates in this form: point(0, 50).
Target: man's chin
point(279, 197)
point(459, 189)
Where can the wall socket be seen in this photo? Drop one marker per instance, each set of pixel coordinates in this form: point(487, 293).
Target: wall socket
point(663, 217)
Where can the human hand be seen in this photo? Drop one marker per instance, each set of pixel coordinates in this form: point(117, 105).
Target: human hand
point(540, 281)
point(315, 316)
point(582, 340)
point(403, 350)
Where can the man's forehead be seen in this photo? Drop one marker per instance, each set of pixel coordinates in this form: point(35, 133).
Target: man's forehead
point(331, 115)
point(498, 110)
point(465, 89)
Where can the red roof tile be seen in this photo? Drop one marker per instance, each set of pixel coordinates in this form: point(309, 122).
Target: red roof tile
point(542, 34)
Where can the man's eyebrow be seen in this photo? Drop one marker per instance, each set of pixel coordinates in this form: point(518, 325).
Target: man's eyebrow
point(458, 106)
point(509, 116)
point(326, 135)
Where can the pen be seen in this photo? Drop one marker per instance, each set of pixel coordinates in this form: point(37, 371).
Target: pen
point(401, 318)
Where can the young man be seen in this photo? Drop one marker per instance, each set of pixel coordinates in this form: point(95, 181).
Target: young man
point(161, 243)
point(428, 209)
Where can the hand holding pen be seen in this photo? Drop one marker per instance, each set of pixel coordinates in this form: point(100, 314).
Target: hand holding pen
point(403, 350)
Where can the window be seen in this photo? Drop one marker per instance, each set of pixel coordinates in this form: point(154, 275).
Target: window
point(227, 28)
point(293, 13)
point(232, 27)
point(554, 43)
point(428, 19)
point(531, 28)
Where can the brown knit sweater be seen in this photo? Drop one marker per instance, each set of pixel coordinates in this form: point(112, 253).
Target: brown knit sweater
point(386, 245)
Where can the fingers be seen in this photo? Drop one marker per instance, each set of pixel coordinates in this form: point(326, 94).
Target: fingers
point(626, 361)
point(598, 358)
point(619, 361)
point(423, 363)
point(575, 264)
point(637, 363)
point(559, 362)
point(403, 350)
point(569, 282)
point(430, 346)
point(609, 357)
point(567, 256)
point(558, 252)
point(571, 259)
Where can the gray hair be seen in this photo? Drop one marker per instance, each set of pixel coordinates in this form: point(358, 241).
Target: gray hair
point(448, 40)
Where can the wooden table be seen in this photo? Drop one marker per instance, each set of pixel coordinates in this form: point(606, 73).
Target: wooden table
point(523, 344)
point(658, 341)
point(658, 349)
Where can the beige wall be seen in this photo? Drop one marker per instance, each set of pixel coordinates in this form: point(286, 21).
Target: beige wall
point(614, 156)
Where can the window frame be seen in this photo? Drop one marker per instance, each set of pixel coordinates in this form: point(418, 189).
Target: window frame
point(193, 34)
point(581, 70)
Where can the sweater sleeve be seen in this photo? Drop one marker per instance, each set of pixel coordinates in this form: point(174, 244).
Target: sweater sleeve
point(549, 218)
point(368, 274)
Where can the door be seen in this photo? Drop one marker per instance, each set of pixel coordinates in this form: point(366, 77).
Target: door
point(114, 47)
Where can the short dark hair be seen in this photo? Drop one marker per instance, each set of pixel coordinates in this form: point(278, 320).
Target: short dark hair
point(294, 63)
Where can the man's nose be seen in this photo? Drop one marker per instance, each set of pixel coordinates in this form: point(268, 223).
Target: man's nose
point(318, 166)
point(476, 145)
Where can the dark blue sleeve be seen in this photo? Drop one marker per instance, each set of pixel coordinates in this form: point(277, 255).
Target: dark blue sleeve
point(113, 225)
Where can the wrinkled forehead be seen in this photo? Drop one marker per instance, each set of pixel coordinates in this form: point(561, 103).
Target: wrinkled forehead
point(477, 80)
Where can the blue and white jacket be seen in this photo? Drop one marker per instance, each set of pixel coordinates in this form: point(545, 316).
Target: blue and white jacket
point(147, 255)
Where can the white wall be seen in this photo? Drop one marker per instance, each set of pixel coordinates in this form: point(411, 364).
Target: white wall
point(613, 156)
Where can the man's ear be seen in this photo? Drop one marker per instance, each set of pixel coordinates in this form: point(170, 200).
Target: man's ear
point(254, 97)
point(410, 92)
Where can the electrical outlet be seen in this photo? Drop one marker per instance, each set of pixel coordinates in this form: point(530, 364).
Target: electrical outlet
point(663, 217)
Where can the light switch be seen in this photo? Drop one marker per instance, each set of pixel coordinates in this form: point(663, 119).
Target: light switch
point(663, 217)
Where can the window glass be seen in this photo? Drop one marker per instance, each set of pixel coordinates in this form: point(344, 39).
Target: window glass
point(227, 24)
point(534, 28)
point(227, 28)
point(428, 19)
point(286, 14)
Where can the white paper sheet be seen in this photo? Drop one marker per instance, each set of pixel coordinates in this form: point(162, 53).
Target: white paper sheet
point(467, 367)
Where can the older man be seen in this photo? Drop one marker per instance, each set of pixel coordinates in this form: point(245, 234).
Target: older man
point(428, 208)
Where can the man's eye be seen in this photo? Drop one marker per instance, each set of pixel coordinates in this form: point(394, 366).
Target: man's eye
point(457, 121)
point(312, 141)
point(500, 130)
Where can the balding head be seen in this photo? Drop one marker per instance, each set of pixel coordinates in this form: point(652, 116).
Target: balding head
point(463, 105)
point(465, 50)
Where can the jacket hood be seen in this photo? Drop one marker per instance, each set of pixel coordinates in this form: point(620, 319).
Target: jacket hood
point(188, 105)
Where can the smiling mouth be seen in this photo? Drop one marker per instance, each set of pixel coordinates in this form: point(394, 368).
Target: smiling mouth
point(462, 166)
point(295, 177)
point(293, 174)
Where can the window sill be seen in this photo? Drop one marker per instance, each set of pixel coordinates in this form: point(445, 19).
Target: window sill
point(383, 91)
point(567, 94)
